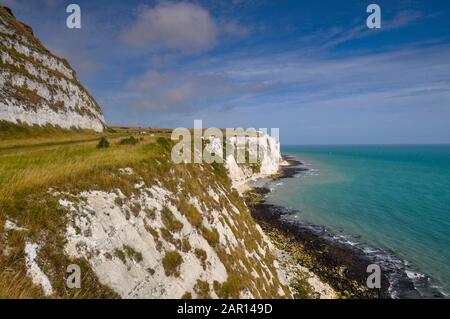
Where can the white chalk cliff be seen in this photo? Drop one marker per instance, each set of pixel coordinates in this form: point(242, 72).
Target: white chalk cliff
point(37, 87)
point(266, 150)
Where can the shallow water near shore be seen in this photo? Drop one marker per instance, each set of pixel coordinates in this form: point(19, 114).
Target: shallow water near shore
point(394, 198)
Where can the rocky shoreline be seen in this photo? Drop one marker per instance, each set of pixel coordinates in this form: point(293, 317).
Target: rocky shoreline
point(335, 264)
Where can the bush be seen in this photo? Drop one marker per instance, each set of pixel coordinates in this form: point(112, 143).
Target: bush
point(104, 143)
point(129, 141)
point(202, 256)
point(211, 236)
point(171, 263)
point(191, 213)
point(133, 254)
point(186, 295)
point(202, 289)
point(170, 221)
point(301, 287)
point(164, 142)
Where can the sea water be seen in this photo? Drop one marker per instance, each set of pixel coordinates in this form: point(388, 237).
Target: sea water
point(396, 198)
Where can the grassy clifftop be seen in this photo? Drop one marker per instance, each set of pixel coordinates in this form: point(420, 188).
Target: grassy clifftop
point(137, 224)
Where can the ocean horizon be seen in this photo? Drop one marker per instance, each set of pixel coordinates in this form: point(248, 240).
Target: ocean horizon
point(394, 198)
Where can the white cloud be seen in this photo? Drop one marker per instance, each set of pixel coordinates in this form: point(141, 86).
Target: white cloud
point(181, 26)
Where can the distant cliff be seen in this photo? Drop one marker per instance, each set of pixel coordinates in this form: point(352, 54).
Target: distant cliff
point(37, 87)
point(268, 160)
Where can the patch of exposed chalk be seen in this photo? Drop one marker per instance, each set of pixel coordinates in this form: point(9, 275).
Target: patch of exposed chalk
point(213, 194)
point(101, 226)
point(9, 225)
point(34, 271)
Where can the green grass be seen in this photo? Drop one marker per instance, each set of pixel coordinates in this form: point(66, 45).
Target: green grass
point(42, 156)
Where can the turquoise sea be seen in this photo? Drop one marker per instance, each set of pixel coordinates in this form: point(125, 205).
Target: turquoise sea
point(395, 198)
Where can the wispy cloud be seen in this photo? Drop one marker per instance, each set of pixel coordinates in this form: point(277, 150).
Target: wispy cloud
point(304, 80)
point(334, 36)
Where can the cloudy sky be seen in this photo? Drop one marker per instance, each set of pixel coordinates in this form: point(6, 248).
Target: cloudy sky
point(311, 68)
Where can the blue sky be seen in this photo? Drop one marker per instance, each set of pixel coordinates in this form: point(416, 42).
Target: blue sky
point(311, 68)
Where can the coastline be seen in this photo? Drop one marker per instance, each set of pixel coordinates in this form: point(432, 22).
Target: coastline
point(314, 250)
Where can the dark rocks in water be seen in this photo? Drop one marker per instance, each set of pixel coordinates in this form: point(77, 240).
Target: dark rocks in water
point(293, 169)
point(261, 190)
point(292, 160)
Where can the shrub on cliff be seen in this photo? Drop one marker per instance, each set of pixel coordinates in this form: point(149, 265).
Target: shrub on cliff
point(103, 143)
point(171, 263)
point(164, 142)
point(129, 141)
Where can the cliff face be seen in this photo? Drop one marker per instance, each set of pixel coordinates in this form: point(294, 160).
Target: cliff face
point(38, 88)
point(268, 163)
